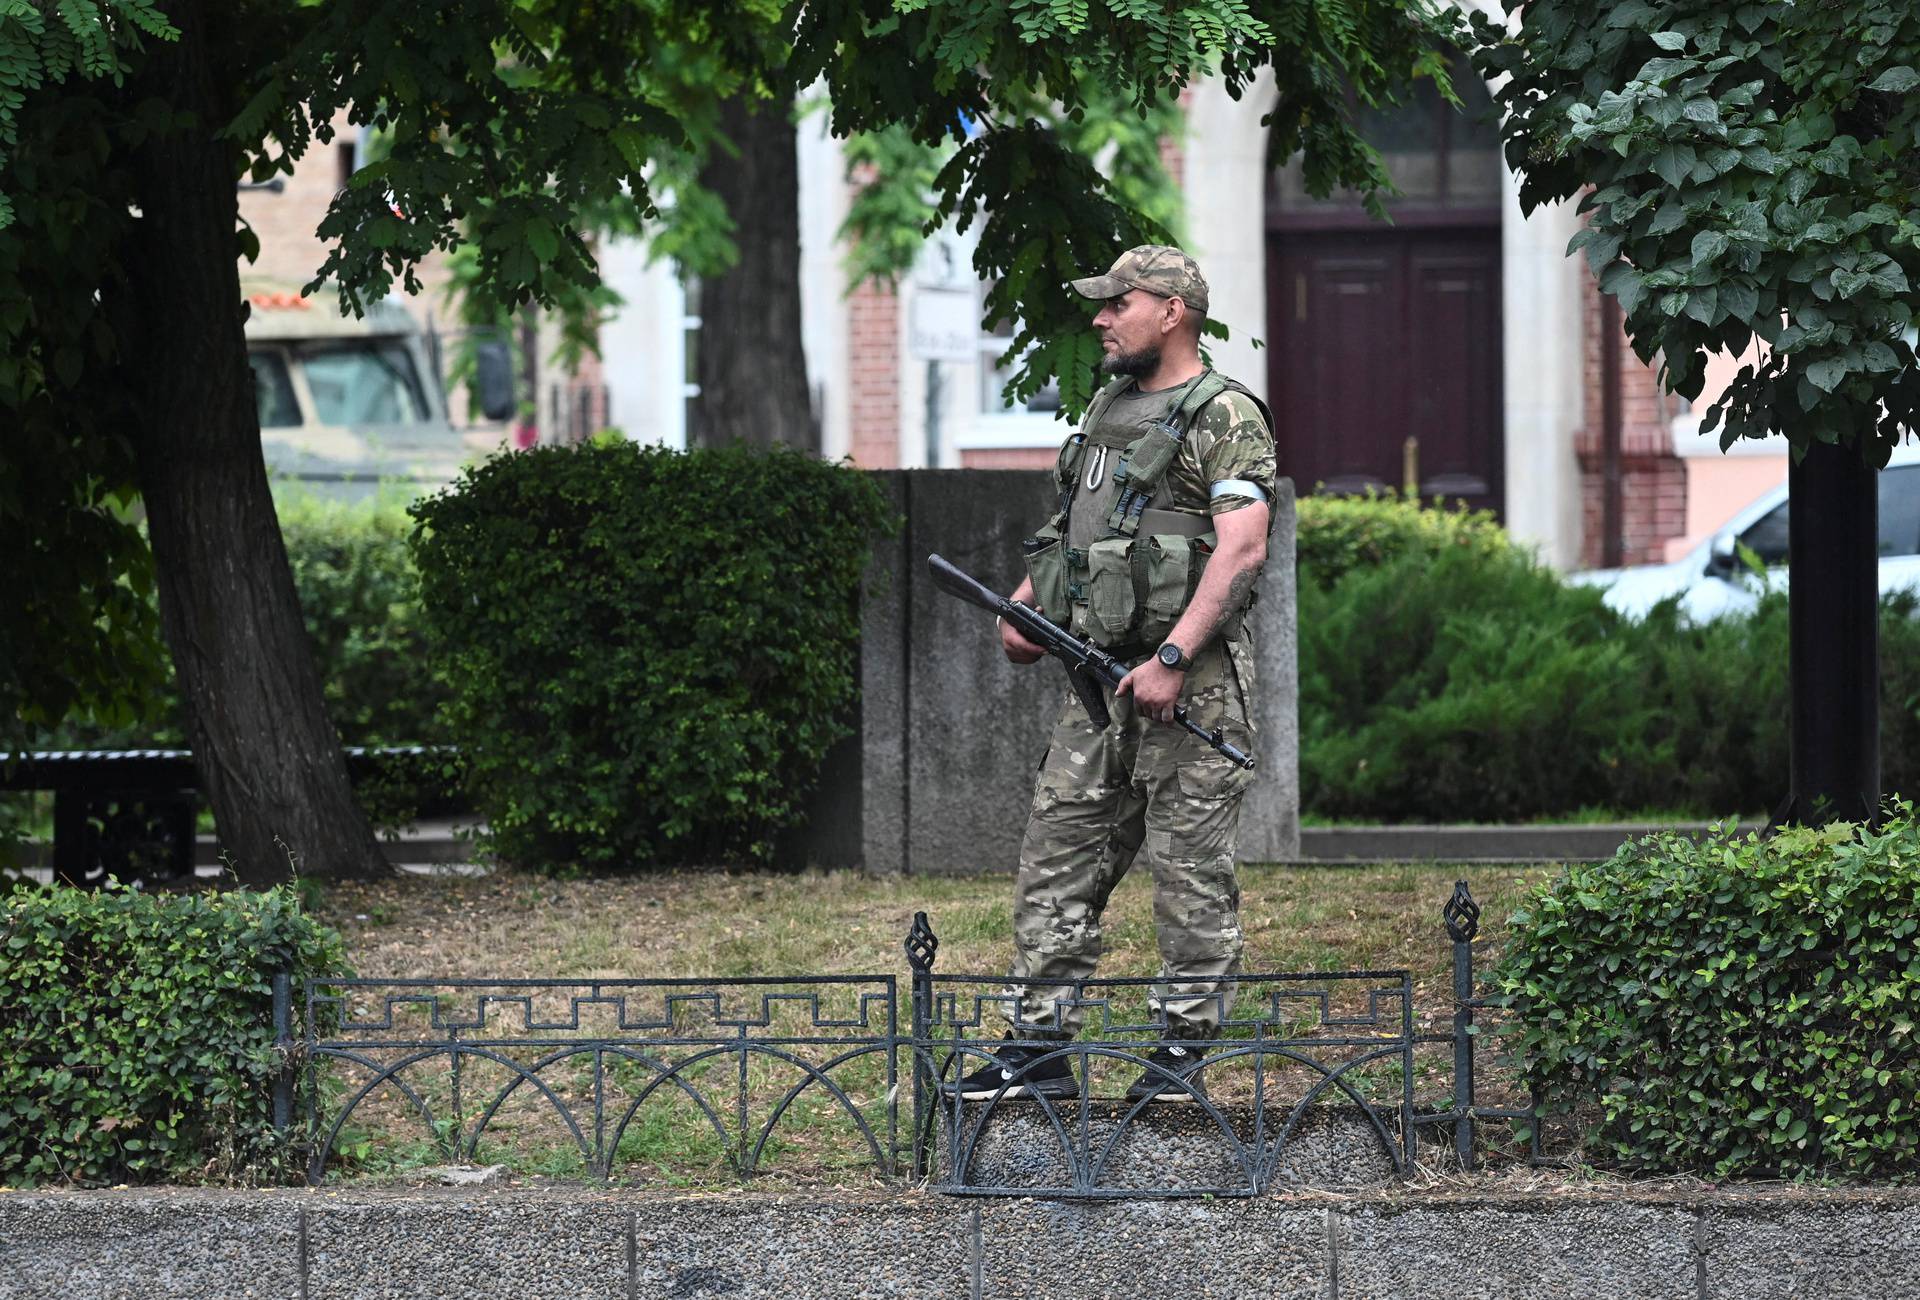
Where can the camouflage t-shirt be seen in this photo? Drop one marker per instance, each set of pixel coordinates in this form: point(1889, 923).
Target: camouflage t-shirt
point(1228, 440)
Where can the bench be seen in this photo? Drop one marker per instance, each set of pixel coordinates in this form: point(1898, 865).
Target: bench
point(129, 813)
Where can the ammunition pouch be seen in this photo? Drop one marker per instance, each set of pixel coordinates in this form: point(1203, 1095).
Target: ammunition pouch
point(1045, 554)
point(1125, 592)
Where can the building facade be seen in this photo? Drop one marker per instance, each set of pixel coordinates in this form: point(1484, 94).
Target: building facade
point(1456, 349)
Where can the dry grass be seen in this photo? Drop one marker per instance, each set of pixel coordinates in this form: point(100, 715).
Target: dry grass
point(727, 926)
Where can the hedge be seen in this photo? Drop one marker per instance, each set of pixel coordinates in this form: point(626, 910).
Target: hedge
point(650, 651)
point(1337, 535)
point(1733, 1006)
point(1470, 684)
point(359, 597)
point(138, 1043)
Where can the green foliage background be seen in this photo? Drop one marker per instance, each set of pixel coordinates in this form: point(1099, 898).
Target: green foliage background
point(1335, 535)
point(649, 651)
point(1736, 1007)
point(1445, 676)
point(139, 1032)
point(1748, 171)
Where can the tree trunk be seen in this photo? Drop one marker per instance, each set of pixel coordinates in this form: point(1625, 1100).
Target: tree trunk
point(268, 758)
point(1833, 618)
point(750, 363)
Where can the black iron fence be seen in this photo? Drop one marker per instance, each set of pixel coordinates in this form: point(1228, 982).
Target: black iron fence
point(1313, 1076)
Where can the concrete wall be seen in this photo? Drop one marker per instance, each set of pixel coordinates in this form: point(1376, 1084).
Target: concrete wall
point(560, 1243)
point(948, 734)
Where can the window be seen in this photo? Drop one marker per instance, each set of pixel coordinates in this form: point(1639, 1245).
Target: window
point(368, 383)
point(1768, 537)
point(1900, 511)
point(1899, 519)
point(690, 351)
point(994, 376)
point(1440, 157)
point(273, 391)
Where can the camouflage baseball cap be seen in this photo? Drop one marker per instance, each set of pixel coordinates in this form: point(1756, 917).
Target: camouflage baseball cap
point(1158, 268)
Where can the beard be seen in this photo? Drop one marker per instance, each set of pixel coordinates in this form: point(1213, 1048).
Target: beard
point(1134, 364)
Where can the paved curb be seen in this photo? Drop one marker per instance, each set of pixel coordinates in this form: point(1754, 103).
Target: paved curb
point(1545, 843)
point(571, 1243)
point(423, 847)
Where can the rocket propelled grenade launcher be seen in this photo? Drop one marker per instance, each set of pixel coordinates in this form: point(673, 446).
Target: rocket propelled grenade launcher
point(1088, 666)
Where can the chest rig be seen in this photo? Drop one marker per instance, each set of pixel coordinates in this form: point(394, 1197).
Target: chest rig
point(1120, 559)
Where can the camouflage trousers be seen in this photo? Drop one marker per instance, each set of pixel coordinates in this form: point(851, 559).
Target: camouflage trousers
point(1107, 795)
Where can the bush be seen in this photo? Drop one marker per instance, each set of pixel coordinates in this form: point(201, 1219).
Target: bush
point(1337, 535)
point(1733, 1006)
point(138, 1041)
point(650, 650)
point(360, 598)
point(1473, 686)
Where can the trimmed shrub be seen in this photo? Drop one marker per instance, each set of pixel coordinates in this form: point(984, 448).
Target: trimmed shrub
point(1470, 686)
point(360, 598)
point(1337, 535)
point(138, 1031)
point(650, 651)
point(1736, 1006)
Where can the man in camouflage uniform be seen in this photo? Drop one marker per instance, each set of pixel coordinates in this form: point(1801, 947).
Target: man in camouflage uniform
point(1140, 785)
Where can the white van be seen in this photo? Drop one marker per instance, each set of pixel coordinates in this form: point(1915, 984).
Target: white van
point(347, 403)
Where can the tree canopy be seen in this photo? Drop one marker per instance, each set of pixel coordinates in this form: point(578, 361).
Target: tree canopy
point(511, 127)
point(1748, 171)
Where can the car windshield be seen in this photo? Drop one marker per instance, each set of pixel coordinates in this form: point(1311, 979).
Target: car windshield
point(1899, 519)
point(364, 383)
point(273, 391)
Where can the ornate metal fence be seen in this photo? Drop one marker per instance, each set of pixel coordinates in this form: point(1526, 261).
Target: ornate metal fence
point(1311, 1079)
point(719, 1062)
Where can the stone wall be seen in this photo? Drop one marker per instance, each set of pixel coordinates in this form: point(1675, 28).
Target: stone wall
point(939, 772)
point(563, 1243)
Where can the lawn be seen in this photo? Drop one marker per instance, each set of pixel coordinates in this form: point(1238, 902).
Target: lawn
point(719, 926)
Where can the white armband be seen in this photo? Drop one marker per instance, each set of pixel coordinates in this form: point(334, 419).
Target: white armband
point(1237, 487)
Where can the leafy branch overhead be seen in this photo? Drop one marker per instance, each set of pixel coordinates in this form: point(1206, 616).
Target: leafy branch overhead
point(908, 190)
point(1753, 183)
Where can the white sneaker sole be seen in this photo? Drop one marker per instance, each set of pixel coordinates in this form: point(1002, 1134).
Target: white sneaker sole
point(1062, 1090)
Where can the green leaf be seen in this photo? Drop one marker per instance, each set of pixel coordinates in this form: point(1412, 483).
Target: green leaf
point(1740, 299)
point(1670, 40)
point(543, 239)
point(1672, 215)
point(1707, 245)
point(1674, 163)
point(1826, 374)
point(1896, 80)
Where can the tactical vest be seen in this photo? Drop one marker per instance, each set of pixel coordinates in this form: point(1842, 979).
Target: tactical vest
point(1117, 563)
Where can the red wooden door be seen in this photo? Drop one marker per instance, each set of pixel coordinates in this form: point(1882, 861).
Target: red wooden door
point(1380, 336)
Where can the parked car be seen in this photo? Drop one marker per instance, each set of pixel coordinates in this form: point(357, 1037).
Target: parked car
point(1711, 580)
point(348, 402)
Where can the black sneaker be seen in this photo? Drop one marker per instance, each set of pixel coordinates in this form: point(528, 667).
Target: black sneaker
point(1181, 1061)
point(1012, 1069)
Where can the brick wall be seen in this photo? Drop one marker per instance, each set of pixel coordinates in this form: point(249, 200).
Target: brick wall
point(290, 251)
point(873, 378)
point(1653, 481)
point(873, 369)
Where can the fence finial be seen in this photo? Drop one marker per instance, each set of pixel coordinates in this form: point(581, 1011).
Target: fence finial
point(922, 944)
point(1462, 914)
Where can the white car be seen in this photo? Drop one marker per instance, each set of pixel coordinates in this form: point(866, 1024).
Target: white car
point(1710, 580)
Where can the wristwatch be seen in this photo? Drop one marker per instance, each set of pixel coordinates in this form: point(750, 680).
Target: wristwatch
point(1175, 658)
